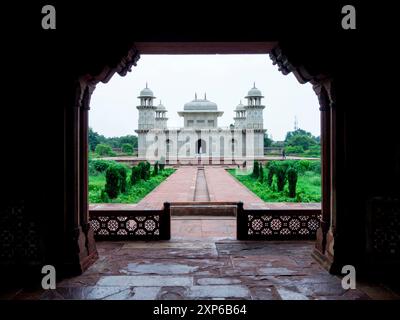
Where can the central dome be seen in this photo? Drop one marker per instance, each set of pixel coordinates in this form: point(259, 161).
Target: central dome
point(200, 104)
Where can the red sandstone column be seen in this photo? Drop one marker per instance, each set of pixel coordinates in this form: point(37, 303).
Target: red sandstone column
point(76, 255)
point(325, 169)
point(84, 205)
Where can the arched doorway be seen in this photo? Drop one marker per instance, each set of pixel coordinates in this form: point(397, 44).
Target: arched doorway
point(201, 146)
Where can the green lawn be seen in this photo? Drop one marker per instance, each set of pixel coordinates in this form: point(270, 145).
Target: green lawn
point(308, 187)
point(133, 194)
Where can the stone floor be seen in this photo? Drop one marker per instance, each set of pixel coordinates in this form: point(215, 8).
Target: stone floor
point(203, 261)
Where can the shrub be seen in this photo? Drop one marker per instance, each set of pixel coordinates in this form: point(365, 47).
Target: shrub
point(256, 170)
point(148, 166)
point(271, 166)
point(122, 178)
point(314, 151)
point(261, 173)
point(127, 148)
point(155, 172)
point(270, 177)
point(161, 164)
point(302, 166)
point(91, 169)
point(294, 149)
point(101, 165)
point(104, 150)
point(144, 170)
point(315, 166)
point(280, 177)
point(135, 175)
point(104, 196)
point(112, 186)
point(292, 181)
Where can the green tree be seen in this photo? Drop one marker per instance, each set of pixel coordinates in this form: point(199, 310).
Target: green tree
point(270, 177)
point(127, 148)
point(135, 175)
point(267, 141)
point(303, 141)
point(280, 177)
point(95, 139)
point(112, 186)
point(314, 151)
point(162, 163)
point(148, 167)
point(292, 181)
point(114, 142)
point(144, 170)
point(261, 173)
point(256, 170)
point(299, 141)
point(104, 150)
point(155, 172)
point(298, 132)
point(101, 165)
point(129, 139)
point(271, 171)
point(294, 149)
point(122, 178)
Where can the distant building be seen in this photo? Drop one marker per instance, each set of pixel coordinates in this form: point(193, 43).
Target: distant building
point(200, 135)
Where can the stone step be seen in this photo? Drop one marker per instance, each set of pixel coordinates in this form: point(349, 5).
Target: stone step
point(203, 210)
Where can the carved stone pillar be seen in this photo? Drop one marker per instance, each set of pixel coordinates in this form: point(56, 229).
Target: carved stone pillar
point(320, 246)
point(77, 256)
point(79, 250)
point(323, 87)
point(324, 249)
point(329, 253)
point(84, 205)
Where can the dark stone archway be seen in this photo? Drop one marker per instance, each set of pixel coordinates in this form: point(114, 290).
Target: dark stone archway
point(68, 66)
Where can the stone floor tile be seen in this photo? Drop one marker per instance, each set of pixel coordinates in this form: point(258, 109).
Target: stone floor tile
point(172, 293)
point(80, 293)
point(264, 293)
point(136, 293)
point(218, 291)
point(291, 294)
point(145, 281)
point(216, 281)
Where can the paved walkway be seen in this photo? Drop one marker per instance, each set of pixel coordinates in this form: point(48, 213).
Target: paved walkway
point(201, 191)
point(221, 187)
point(178, 187)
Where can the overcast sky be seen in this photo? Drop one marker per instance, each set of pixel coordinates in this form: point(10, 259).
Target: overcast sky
point(225, 78)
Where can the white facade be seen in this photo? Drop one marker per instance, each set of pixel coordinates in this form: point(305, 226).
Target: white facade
point(200, 135)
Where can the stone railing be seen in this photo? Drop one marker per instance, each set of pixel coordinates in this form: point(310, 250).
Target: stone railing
point(131, 224)
point(252, 224)
point(277, 224)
